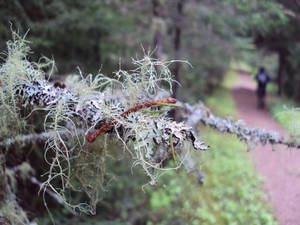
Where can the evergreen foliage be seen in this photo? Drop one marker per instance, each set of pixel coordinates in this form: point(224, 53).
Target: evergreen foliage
point(282, 37)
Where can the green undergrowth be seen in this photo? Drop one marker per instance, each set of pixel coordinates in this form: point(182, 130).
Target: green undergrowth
point(272, 88)
point(287, 113)
point(231, 192)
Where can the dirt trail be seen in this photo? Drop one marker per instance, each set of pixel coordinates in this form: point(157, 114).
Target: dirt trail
point(280, 169)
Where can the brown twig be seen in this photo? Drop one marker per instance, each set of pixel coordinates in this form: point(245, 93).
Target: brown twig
point(92, 137)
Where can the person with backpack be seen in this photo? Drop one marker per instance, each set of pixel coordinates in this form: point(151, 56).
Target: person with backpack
point(262, 79)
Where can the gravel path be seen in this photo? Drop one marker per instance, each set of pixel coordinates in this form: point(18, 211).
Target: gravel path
point(280, 169)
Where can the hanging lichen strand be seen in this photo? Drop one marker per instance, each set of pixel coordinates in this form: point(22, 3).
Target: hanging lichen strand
point(86, 107)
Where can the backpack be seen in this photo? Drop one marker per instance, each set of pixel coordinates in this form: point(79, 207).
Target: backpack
point(262, 78)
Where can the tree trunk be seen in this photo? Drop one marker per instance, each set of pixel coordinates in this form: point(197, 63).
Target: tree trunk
point(280, 73)
point(10, 211)
point(98, 55)
point(3, 180)
point(177, 45)
point(157, 18)
point(298, 91)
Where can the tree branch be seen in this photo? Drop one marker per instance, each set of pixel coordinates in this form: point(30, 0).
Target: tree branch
point(31, 138)
point(200, 113)
point(92, 137)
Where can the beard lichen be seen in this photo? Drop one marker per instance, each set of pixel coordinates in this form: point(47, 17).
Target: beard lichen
point(82, 105)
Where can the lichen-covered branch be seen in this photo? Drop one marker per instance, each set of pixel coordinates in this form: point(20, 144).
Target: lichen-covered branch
point(251, 135)
point(136, 108)
point(32, 138)
point(44, 94)
point(86, 102)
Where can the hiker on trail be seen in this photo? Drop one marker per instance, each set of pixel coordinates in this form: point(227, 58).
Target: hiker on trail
point(262, 79)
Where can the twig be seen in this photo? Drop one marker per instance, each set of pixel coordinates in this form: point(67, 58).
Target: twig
point(30, 138)
point(250, 135)
point(56, 197)
point(172, 147)
point(27, 138)
point(92, 137)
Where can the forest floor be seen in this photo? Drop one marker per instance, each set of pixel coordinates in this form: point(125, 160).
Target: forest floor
point(280, 169)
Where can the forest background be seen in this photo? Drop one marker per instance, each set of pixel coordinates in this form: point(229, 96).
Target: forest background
point(211, 35)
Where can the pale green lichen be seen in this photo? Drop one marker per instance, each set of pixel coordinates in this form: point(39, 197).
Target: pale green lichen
point(86, 103)
point(14, 73)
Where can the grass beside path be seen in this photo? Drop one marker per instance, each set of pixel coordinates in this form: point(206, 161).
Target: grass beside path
point(221, 102)
point(233, 189)
point(287, 114)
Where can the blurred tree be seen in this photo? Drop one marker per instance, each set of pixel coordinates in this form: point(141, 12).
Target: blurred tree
point(158, 24)
point(282, 37)
point(78, 33)
point(177, 43)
